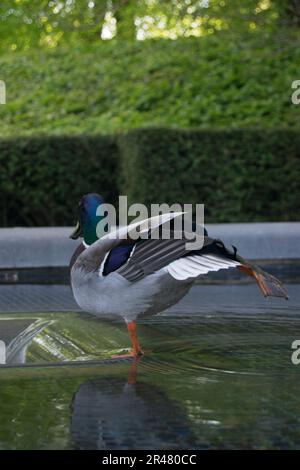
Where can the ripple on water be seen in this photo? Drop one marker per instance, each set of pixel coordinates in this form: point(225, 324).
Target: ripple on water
point(207, 381)
point(221, 344)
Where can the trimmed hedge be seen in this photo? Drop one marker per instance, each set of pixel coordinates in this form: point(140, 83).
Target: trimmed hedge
point(43, 178)
point(240, 175)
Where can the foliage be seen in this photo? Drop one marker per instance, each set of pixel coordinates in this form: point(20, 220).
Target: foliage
point(63, 80)
point(240, 175)
point(53, 22)
point(42, 179)
point(288, 11)
point(215, 81)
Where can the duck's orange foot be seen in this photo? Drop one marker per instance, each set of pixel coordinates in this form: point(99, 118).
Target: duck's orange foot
point(129, 355)
point(123, 356)
point(136, 350)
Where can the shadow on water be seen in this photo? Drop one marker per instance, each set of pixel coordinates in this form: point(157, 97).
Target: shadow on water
point(108, 413)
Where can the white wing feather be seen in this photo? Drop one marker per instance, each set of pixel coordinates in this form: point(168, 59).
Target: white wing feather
point(197, 265)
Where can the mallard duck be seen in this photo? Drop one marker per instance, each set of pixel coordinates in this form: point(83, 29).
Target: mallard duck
point(119, 276)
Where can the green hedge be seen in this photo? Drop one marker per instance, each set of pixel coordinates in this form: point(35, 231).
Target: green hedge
point(43, 178)
point(184, 83)
point(240, 175)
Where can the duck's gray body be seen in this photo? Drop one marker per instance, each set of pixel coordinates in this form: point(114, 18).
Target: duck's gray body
point(134, 289)
point(113, 295)
point(157, 275)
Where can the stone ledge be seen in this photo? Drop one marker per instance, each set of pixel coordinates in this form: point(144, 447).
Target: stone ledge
point(52, 247)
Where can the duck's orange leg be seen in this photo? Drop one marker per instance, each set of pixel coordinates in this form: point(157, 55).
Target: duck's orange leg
point(136, 349)
point(132, 330)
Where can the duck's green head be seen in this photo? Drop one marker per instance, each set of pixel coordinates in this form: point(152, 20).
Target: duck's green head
point(88, 218)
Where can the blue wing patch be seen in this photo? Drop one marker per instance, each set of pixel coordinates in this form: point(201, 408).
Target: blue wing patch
point(116, 258)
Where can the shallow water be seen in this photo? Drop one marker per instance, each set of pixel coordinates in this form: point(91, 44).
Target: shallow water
point(217, 373)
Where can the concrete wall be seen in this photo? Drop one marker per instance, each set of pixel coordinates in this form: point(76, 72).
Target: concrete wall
point(52, 247)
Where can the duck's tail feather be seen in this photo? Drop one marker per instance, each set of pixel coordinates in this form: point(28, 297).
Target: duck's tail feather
point(268, 284)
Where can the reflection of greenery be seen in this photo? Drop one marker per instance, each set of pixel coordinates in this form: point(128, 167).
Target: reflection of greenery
point(80, 338)
point(223, 410)
point(233, 378)
point(35, 409)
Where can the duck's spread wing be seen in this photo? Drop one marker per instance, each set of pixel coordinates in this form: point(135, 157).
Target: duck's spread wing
point(150, 256)
point(172, 256)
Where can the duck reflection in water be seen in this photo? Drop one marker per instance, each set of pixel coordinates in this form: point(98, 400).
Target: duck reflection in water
point(110, 414)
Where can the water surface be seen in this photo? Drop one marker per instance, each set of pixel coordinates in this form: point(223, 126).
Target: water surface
point(217, 374)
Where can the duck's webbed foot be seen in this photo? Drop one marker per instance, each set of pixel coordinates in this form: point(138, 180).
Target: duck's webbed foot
point(129, 355)
point(136, 351)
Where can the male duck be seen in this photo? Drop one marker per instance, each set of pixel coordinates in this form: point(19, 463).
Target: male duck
point(119, 276)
